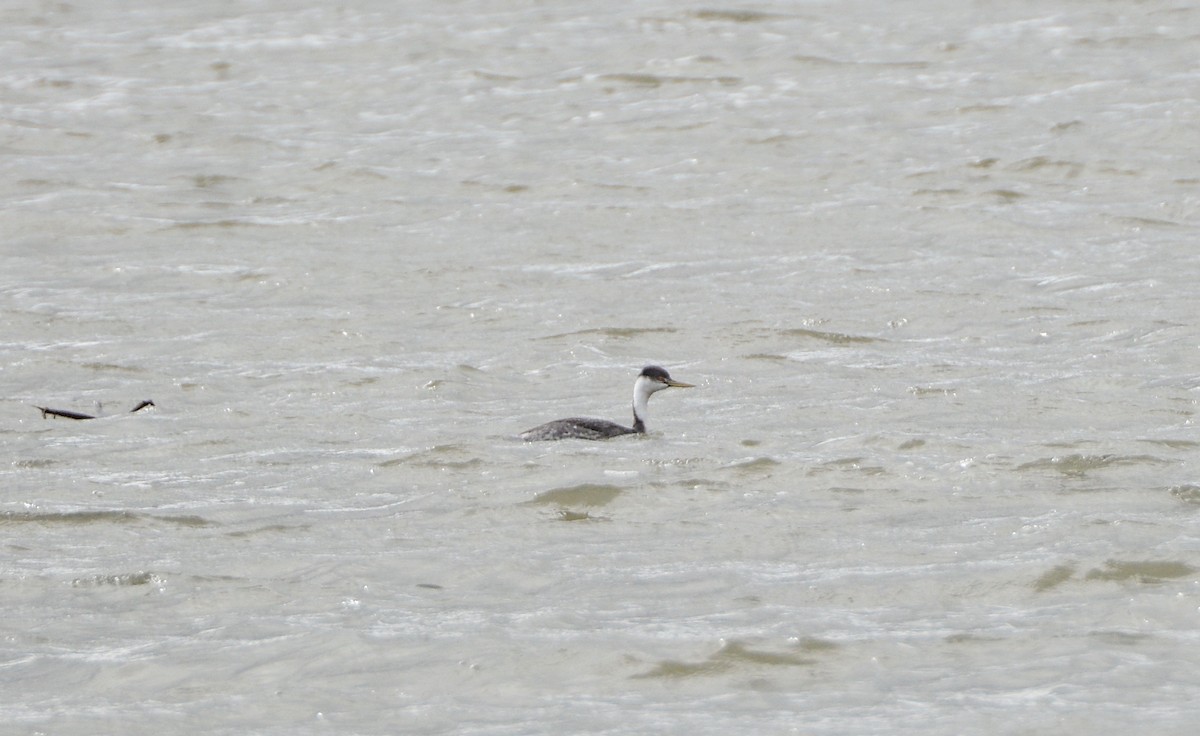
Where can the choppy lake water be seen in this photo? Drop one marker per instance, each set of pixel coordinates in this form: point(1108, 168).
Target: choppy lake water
point(931, 265)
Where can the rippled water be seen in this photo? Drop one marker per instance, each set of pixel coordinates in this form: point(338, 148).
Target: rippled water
point(930, 266)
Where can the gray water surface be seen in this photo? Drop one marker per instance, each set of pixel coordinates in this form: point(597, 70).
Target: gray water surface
point(931, 265)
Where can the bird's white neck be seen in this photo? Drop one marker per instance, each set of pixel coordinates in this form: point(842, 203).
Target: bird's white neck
point(642, 388)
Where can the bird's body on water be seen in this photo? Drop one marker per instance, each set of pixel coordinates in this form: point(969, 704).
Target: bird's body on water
point(651, 379)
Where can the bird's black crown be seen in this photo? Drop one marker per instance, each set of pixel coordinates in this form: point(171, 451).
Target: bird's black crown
point(653, 371)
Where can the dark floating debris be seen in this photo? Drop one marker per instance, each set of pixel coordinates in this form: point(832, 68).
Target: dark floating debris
point(48, 412)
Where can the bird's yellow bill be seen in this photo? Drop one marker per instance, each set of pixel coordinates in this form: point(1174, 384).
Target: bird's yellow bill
point(679, 384)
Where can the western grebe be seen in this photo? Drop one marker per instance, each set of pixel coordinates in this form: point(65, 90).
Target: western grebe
point(48, 412)
point(651, 379)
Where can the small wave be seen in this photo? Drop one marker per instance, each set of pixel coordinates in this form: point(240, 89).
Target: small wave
point(70, 518)
point(120, 580)
point(586, 494)
point(1141, 571)
point(1187, 493)
point(620, 333)
point(736, 15)
point(737, 655)
point(752, 464)
point(656, 80)
point(1053, 578)
point(833, 338)
point(1077, 465)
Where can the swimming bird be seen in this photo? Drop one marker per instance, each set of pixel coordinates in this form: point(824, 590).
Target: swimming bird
point(651, 379)
point(48, 412)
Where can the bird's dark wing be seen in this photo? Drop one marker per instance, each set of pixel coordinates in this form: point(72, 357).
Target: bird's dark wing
point(584, 428)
